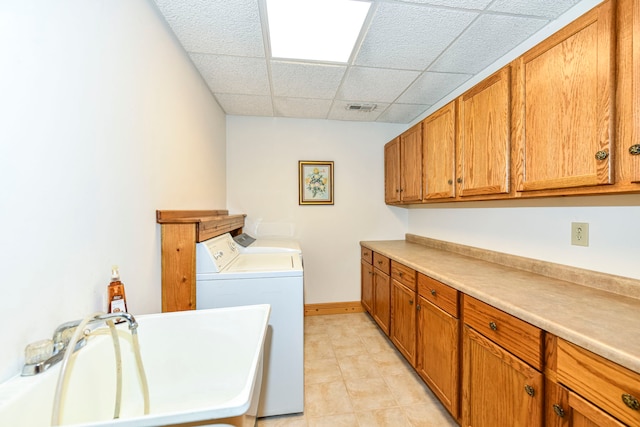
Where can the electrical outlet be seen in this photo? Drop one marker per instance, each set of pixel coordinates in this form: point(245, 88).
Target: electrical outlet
point(580, 233)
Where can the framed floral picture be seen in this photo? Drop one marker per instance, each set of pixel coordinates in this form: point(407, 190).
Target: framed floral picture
point(315, 181)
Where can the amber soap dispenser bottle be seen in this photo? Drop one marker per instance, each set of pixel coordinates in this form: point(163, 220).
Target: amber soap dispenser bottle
point(117, 299)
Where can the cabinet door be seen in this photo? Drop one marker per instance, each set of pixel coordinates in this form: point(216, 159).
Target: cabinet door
point(392, 171)
point(382, 300)
point(633, 152)
point(437, 353)
point(495, 384)
point(411, 164)
point(403, 323)
point(366, 274)
point(566, 409)
point(439, 148)
point(563, 106)
point(484, 137)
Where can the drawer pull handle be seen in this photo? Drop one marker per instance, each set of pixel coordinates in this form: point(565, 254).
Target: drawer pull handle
point(400, 273)
point(631, 401)
point(530, 391)
point(379, 262)
point(433, 292)
point(493, 326)
point(558, 410)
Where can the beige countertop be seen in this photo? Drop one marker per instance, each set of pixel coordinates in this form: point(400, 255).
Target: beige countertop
point(594, 318)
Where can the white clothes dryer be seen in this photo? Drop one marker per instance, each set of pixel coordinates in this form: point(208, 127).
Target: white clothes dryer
point(225, 277)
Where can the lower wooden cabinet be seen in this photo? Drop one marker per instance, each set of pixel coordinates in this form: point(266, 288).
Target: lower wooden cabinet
point(403, 320)
point(366, 288)
point(381, 300)
point(564, 408)
point(498, 389)
point(437, 353)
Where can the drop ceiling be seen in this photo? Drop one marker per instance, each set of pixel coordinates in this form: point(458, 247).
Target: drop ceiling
point(410, 54)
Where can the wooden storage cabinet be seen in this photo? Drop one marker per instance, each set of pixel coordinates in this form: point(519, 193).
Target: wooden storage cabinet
point(499, 389)
point(484, 143)
point(376, 287)
point(597, 383)
point(439, 148)
point(437, 349)
point(181, 230)
point(403, 167)
point(563, 104)
point(403, 310)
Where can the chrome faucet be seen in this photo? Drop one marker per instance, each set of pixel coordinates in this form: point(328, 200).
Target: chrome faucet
point(60, 342)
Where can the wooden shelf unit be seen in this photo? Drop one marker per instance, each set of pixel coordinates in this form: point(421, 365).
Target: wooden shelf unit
point(181, 230)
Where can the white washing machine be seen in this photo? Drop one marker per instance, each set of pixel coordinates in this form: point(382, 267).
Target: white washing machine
point(227, 278)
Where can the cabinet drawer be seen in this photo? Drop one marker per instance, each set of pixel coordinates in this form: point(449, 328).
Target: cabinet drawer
point(517, 336)
point(609, 386)
point(366, 254)
point(404, 275)
point(439, 294)
point(381, 262)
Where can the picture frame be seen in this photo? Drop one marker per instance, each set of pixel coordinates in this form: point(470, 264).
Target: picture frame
point(315, 182)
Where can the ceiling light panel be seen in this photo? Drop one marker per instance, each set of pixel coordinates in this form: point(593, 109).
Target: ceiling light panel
point(316, 30)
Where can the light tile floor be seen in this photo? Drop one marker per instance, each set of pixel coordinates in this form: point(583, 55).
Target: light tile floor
point(354, 376)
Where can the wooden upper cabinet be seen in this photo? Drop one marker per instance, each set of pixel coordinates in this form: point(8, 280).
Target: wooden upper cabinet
point(484, 137)
point(392, 171)
point(403, 167)
point(411, 164)
point(439, 147)
point(563, 99)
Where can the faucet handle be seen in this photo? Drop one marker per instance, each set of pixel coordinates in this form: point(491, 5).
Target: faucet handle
point(38, 351)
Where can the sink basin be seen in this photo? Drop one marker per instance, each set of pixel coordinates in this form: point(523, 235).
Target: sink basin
point(202, 366)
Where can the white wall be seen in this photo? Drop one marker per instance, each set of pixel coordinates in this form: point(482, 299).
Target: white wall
point(103, 120)
point(262, 181)
point(541, 229)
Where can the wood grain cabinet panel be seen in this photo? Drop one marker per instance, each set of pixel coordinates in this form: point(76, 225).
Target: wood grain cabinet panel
point(382, 300)
point(499, 390)
point(403, 167)
point(439, 148)
point(437, 353)
point(484, 143)
point(563, 97)
point(392, 171)
point(366, 288)
point(403, 320)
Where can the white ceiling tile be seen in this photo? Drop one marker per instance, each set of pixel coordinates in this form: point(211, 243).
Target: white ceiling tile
point(304, 80)
point(216, 26)
point(408, 36)
point(303, 108)
point(543, 8)
point(402, 113)
point(233, 74)
point(245, 105)
point(486, 40)
point(375, 84)
point(432, 87)
point(339, 112)
point(463, 4)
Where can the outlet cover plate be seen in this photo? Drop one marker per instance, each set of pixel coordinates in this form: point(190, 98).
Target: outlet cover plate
point(580, 233)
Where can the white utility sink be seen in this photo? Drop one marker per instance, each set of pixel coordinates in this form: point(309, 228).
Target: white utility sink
point(202, 366)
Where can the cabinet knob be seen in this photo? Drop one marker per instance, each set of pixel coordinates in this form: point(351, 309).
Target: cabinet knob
point(400, 273)
point(459, 180)
point(493, 326)
point(634, 150)
point(433, 292)
point(631, 401)
point(418, 307)
point(450, 182)
point(411, 302)
point(558, 410)
point(530, 390)
point(602, 154)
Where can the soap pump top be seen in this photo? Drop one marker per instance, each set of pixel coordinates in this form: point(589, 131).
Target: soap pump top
point(117, 298)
